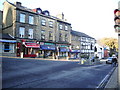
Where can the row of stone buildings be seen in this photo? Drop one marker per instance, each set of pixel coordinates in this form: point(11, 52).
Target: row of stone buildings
point(35, 33)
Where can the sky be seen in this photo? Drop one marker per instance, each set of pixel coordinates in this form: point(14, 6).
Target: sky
point(93, 17)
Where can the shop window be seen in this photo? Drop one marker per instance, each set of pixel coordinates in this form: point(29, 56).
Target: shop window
point(42, 34)
point(21, 32)
point(6, 47)
point(31, 20)
point(22, 18)
point(30, 33)
point(43, 22)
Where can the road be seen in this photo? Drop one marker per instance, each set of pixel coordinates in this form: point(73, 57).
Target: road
point(32, 73)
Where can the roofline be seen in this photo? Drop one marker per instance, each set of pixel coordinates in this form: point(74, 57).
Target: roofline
point(81, 33)
point(51, 17)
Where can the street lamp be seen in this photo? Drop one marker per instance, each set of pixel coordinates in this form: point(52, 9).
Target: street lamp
point(117, 29)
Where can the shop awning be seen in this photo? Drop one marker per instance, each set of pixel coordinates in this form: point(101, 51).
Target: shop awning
point(8, 41)
point(32, 45)
point(64, 50)
point(75, 51)
point(47, 47)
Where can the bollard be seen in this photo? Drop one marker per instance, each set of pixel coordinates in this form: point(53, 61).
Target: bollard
point(21, 54)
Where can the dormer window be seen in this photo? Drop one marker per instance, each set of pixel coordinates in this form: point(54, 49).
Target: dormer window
point(46, 12)
point(39, 11)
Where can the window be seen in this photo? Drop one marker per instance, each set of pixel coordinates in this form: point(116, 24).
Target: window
point(66, 37)
point(60, 27)
point(50, 35)
point(51, 24)
point(21, 32)
point(66, 27)
point(22, 18)
point(42, 34)
point(6, 47)
point(30, 33)
point(31, 20)
point(39, 11)
point(60, 36)
point(43, 22)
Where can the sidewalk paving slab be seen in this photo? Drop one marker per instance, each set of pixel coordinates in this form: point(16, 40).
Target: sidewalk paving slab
point(113, 81)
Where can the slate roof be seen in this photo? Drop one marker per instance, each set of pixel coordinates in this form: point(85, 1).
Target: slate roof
point(6, 36)
point(80, 34)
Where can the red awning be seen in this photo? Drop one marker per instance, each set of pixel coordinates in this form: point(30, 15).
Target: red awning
point(32, 45)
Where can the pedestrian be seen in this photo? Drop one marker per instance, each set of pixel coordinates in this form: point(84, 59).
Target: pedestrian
point(114, 61)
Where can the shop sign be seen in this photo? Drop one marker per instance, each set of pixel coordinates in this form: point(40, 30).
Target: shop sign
point(62, 45)
point(41, 43)
point(49, 44)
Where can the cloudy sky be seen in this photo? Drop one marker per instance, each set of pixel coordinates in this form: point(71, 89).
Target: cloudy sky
point(93, 17)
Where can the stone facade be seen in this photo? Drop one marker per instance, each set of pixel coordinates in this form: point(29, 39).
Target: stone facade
point(11, 23)
point(24, 23)
point(53, 33)
point(1, 18)
point(84, 43)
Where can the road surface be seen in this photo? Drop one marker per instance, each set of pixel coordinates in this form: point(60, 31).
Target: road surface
point(33, 73)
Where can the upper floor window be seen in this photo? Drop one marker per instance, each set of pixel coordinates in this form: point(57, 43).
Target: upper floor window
point(60, 27)
point(66, 37)
point(43, 22)
point(66, 27)
point(21, 32)
point(22, 18)
point(30, 33)
point(31, 20)
point(50, 35)
point(50, 23)
point(60, 36)
point(42, 34)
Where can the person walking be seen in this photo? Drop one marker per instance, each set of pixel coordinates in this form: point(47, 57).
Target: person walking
point(114, 61)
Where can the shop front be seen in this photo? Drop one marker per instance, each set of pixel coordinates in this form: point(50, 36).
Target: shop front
point(7, 47)
point(74, 54)
point(63, 51)
point(29, 49)
point(47, 50)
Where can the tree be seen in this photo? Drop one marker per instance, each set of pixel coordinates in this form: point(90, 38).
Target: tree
point(112, 43)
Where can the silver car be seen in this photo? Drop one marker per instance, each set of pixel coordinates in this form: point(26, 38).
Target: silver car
point(109, 60)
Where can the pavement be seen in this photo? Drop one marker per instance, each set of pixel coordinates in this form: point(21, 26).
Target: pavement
point(113, 81)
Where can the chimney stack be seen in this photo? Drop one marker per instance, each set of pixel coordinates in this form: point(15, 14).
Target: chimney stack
point(18, 4)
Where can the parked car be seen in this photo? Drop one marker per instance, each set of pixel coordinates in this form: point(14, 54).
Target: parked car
point(109, 60)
